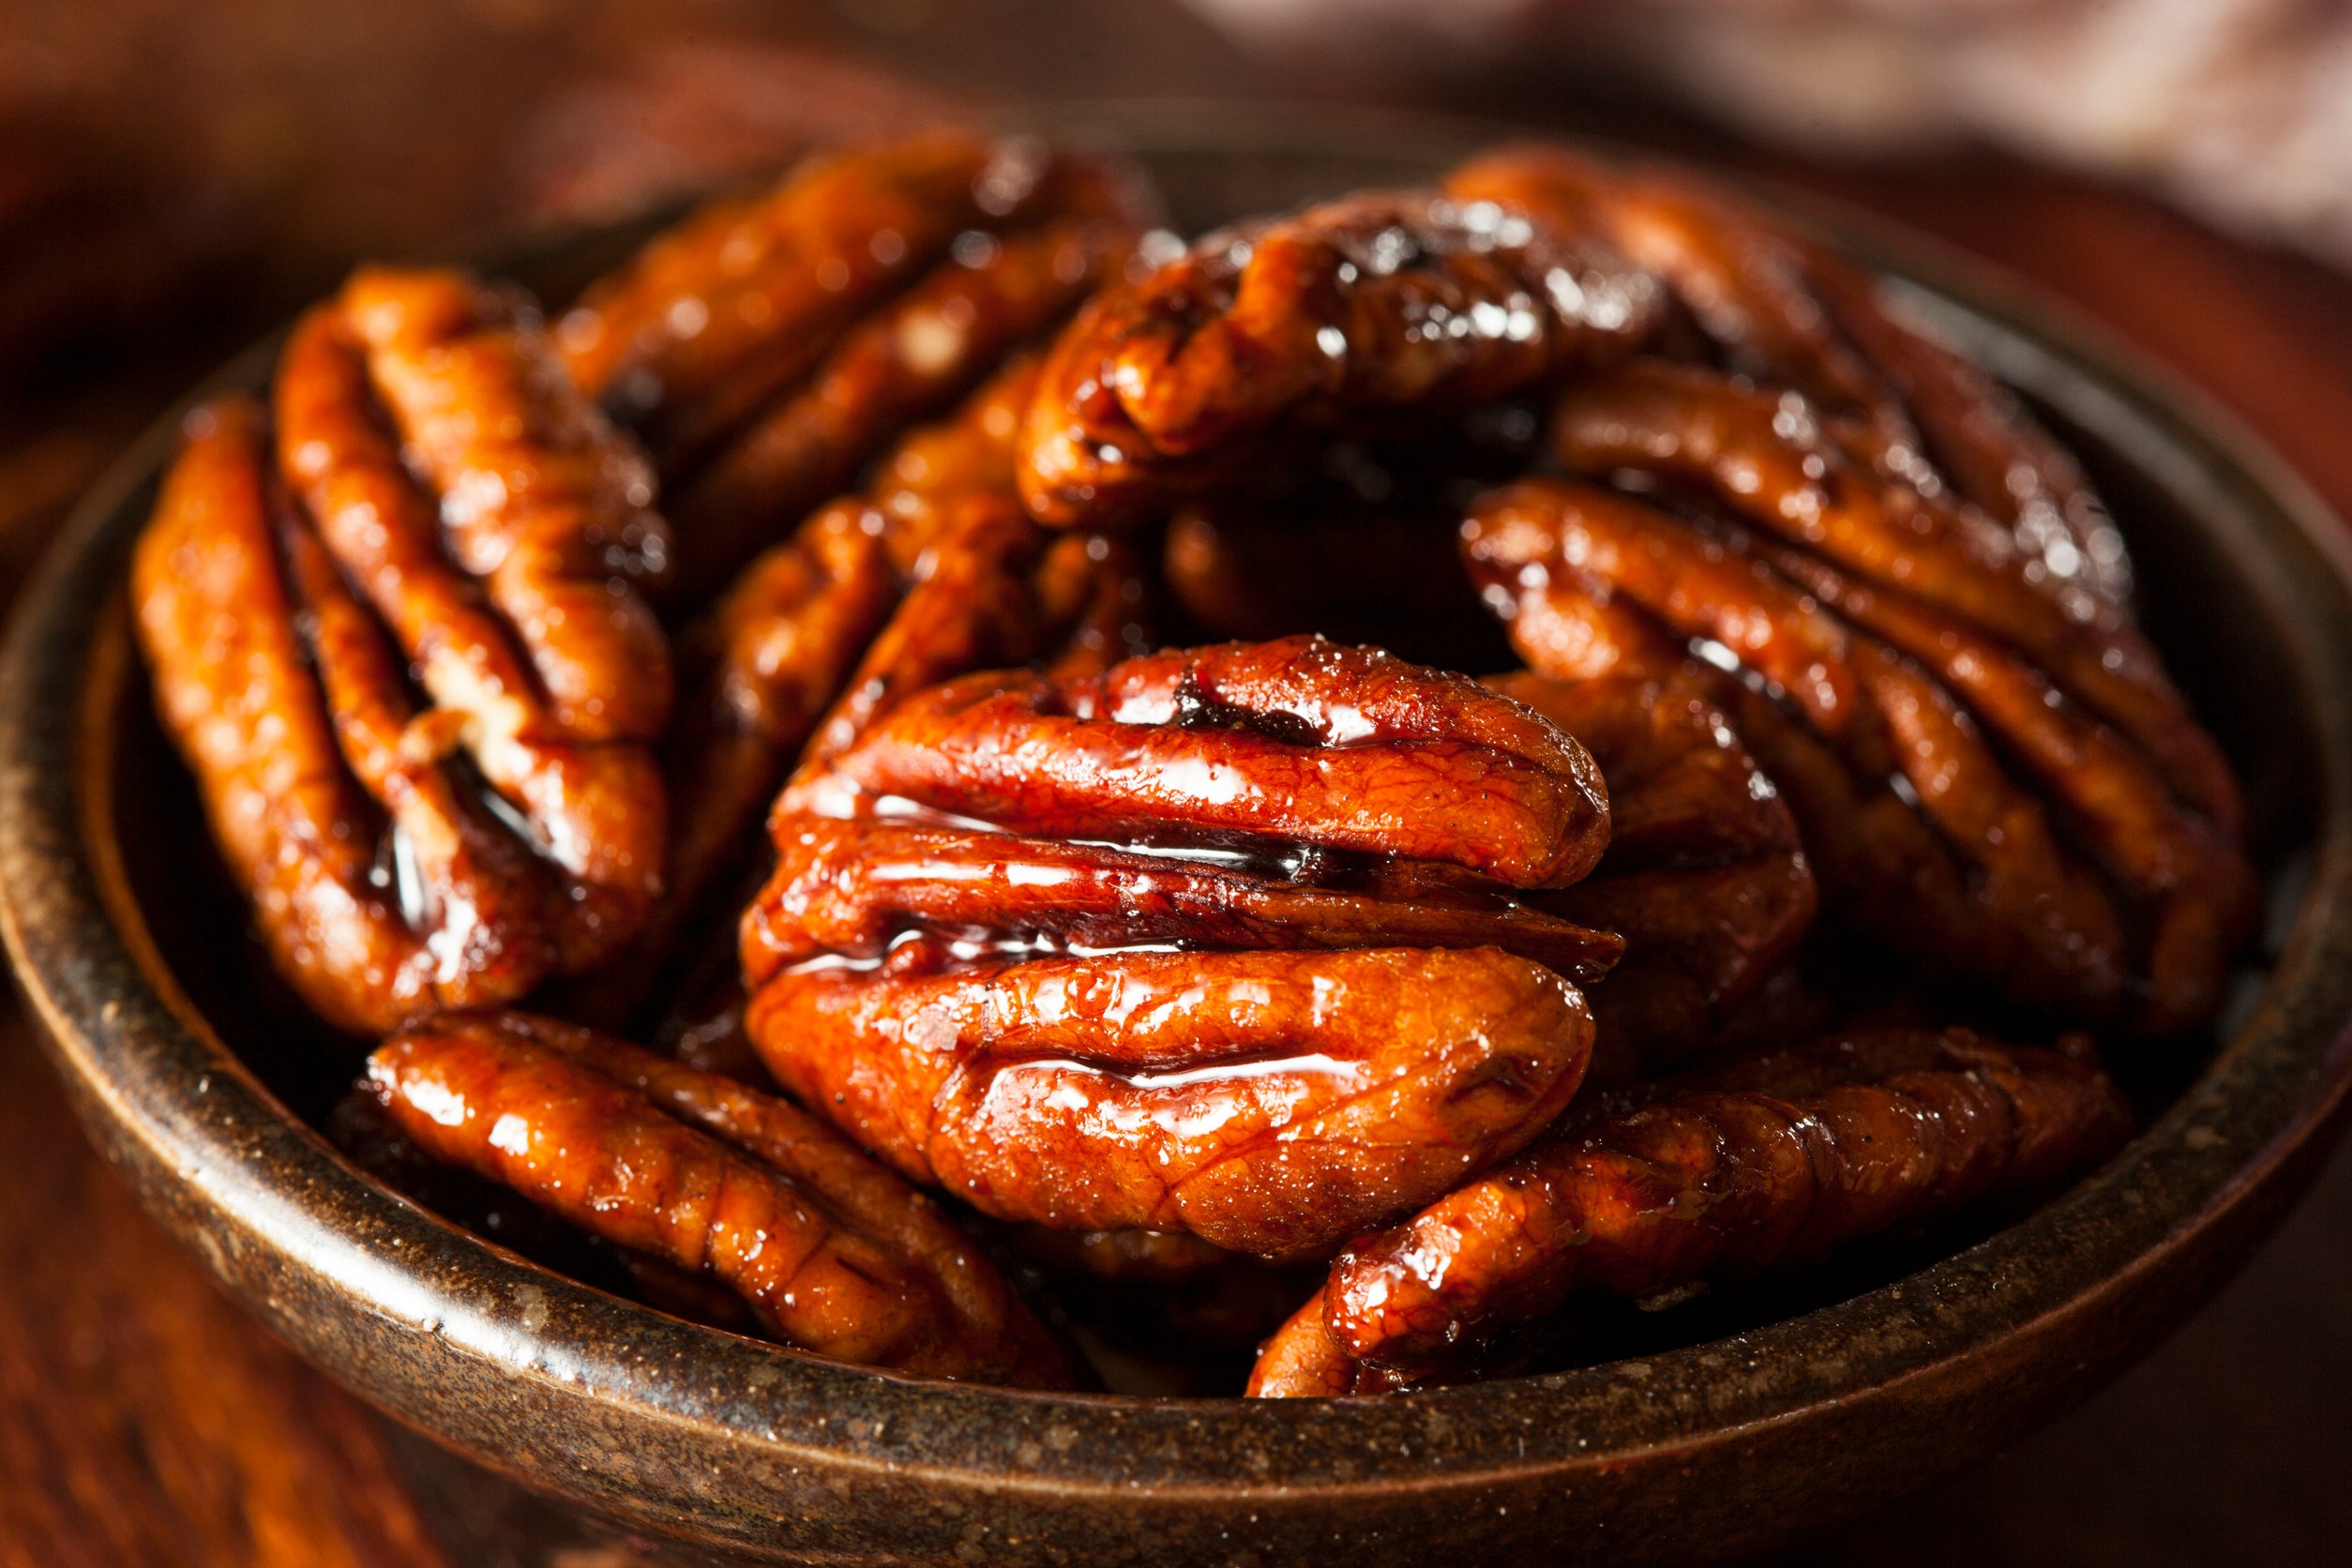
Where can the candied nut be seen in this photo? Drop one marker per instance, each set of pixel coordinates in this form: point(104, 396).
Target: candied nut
point(296, 716)
point(831, 1252)
point(930, 971)
point(1782, 307)
point(1386, 300)
point(698, 331)
point(1770, 1161)
point(1882, 684)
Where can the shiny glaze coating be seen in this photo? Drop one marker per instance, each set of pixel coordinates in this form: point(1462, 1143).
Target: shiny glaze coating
point(1876, 858)
point(1268, 1102)
point(1299, 741)
point(937, 986)
point(540, 500)
point(901, 363)
point(1926, 702)
point(1384, 300)
point(2197, 886)
point(1766, 458)
point(234, 690)
point(509, 585)
point(971, 450)
point(2051, 936)
point(1705, 876)
point(382, 882)
point(712, 319)
point(854, 888)
point(854, 608)
point(1772, 1161)
point(1782, 307)
point(831, 1252)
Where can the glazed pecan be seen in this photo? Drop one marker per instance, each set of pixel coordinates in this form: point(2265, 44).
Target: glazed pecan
point(707, 325)
point(387, 880)
point(1763, 457)
point(831, 1252)
point(1322, 996)
point(1899, 689)
point(900, 364)
point(1383, 301)
point(1705, 876)
point(1784, 308)
point(504, 566)
point(1772, 1161)
point(932, 572)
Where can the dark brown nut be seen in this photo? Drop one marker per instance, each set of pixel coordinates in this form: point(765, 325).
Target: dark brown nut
point(544, 665)
point(696, 334)
point(1764, 456)
point(1901, 687)
point(1782, 307)
point(1382, 301)
point(902, 363)
point(1705, 876)
point(1769, 1162)
point(831, 1252)
point(382, 885)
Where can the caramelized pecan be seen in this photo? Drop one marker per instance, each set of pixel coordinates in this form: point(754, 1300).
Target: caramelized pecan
point(1765, 457)
point(1895, 686)
point(1772, 1161)
point(831, 1252)
point(1382, 301)
point(926, 969)
point(704, 327)
point(900, 364)
point(1782, 306)
point(505, 570)
point(383, 880)
point(1705, 876)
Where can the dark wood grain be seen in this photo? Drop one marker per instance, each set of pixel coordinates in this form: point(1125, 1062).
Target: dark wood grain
point(143, 1419)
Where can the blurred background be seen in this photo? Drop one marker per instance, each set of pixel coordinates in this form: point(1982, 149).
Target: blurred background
point(174, 178)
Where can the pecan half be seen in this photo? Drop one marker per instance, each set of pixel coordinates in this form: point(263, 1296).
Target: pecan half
point(712, 319)
point(1382, 301)
point(1356, 1008)
point(1781, 306)
point(831, 1252)
point(1705, 876)
point(385, 877)
point(2014, 883)
point(504, 566)
point(1771, 1161)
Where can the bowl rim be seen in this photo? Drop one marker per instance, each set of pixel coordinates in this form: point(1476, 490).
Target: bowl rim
point(165, 1094)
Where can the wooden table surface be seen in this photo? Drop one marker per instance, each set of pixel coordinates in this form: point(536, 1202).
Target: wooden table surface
point(145, 1422)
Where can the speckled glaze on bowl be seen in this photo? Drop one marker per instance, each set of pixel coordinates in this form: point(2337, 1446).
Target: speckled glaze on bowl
point(1707, 1451)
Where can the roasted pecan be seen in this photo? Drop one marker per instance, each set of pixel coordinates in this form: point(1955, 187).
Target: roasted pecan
point(901, 364)
point(1897, 687)
point(505, 570)
point(1705, 876)
point(1784, 308)
point(1382, 301)
point(1327, 996)
point(1771, 1161)
point(1764, 456)
point(704, 329)
point(832, 1252)
point(540, 663)
point(933, 571)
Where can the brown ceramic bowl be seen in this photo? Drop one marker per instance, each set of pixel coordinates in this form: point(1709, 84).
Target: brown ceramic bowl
point(1726, 1436)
